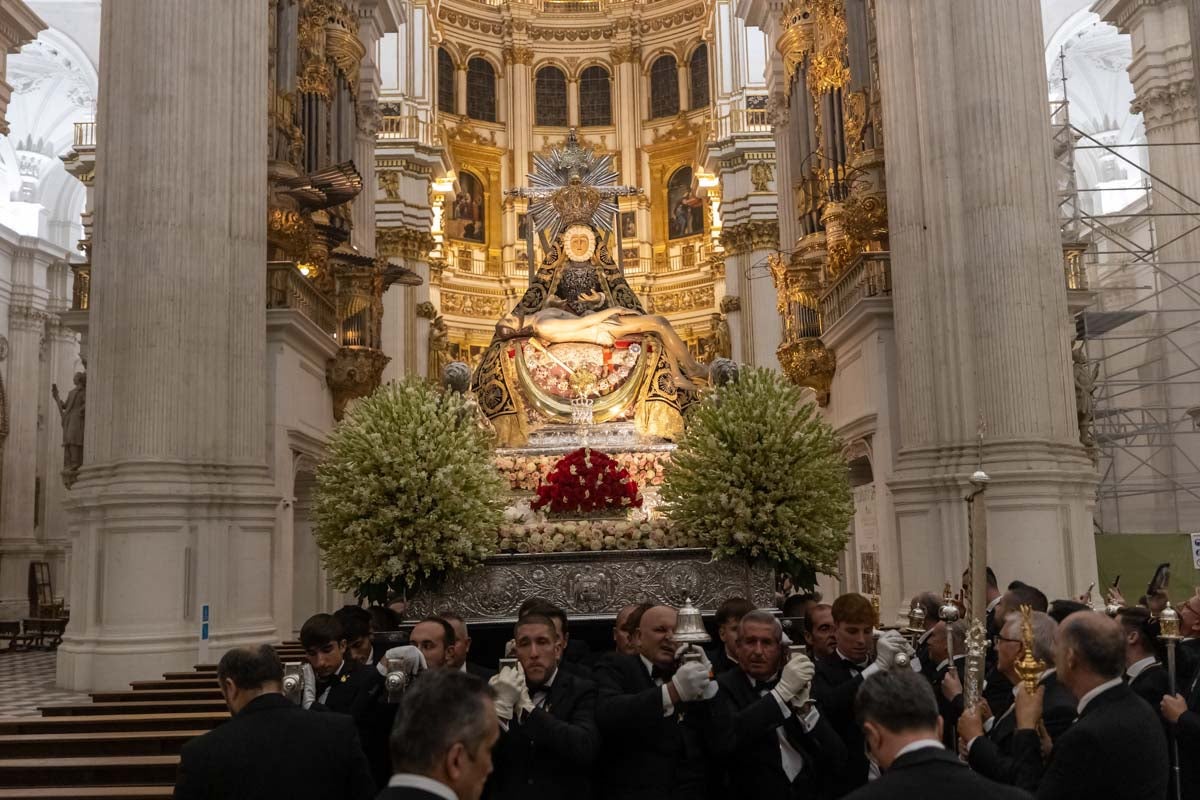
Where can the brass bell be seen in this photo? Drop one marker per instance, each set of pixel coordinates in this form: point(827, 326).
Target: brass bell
point(689, 629)
point(1168, 624)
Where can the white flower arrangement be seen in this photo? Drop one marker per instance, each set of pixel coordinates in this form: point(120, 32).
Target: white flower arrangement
point(568, 536)
point(759, 474)
point(407, 492)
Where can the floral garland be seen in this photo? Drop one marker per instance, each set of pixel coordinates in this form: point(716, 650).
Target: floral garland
point(586, 481)
point(567, 536)
point(525, 472)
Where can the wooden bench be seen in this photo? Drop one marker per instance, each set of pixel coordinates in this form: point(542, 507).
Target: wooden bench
point(9, 631)
point(111, 723)
point(119, 743)
point(88, 770)
point(178, 683)
point(163, 792)
point(149, 707)
point(144, 695)
point(40, 632)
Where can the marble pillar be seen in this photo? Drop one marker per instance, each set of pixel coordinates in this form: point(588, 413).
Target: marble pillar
point(626, 103)
point(174, 509)
point(1164, 83)
point(981, 317)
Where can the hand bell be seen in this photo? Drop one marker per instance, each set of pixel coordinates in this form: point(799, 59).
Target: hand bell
point(689, 628)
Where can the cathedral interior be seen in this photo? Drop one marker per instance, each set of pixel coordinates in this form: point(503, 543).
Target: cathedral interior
point(231, 243)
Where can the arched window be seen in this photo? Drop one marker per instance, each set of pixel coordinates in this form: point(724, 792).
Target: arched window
point(481, 90)
point(550, 101)
point(664, 87)
point(447, 82)
point(698, 74)
point(595, 97)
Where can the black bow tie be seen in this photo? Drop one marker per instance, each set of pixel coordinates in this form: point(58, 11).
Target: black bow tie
point(855, 664)
point(325, 683)
point(766, 686)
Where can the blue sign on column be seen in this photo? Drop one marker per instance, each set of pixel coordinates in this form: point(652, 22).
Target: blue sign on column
point(204, 619)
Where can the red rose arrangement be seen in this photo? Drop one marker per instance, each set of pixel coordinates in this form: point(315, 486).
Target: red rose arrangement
point(586, 481)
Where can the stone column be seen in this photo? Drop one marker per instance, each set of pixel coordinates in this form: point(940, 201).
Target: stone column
point(980, 299)
point(520, 123)
point(370, 31)
point(1164, 83)
point(174, 506)
point(685, 96)
point(460, 94)
point(26, 327)
point(626, 102)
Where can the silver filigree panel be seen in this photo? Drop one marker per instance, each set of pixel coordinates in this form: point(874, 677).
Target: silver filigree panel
point(596, 585)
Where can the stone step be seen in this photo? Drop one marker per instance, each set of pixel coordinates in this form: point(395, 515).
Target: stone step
point(147, 707)
point(111, 723)
point(88, 770)
point(118, 743)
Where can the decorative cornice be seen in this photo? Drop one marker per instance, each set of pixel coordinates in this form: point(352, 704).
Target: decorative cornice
point(670, 302)
point(518, 54)
point(749, 236)
point(403, 242)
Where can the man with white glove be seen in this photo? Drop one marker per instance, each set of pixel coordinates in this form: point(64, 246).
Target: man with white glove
point(411, 659)
point(779, 744)
point(888, 646)
point(693, 679)
point(658, 718)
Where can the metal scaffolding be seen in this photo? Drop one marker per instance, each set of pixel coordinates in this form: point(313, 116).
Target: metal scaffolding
point(1141, 323)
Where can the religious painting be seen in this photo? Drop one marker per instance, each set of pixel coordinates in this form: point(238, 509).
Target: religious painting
point(467, 214)
point(686, 211)
point(522, 227)
point(629, 225)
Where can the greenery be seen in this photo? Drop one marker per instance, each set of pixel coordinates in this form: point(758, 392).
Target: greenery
point(760, 474)
point(408, 491)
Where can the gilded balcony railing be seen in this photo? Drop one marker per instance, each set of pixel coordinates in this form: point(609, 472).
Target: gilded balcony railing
point(868, 275)
point(85, 134)
point(288, 288)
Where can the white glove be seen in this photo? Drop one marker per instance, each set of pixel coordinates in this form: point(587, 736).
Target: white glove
point(887, 647)
point(308, 693)
point(710, 691)
point(413, 660)
point(796, 678)
point(509, 685)
point(691, 682)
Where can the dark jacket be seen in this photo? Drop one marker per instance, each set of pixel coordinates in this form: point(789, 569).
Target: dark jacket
point(480, 671)
point(648, 756)
point(1151, 684)
point(1116, 750)
point(932, 773)
point(834, 687)
point(1187, 734)
point(997, 691)
point(358, 691)
point(547, 755)
point(992, 755)
point(751, 749)
point(274, 748)
point(720, 660)
point(405, 793)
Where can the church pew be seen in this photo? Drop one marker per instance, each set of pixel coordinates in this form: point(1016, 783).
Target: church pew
point(111, 723)
point(88, 770)
point(86, 792)
point(147, 707)
point(118, 743)
point(207, 693)
point(202, 682)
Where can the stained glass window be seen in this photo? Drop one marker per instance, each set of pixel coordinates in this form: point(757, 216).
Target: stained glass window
point(447, 81)
point(595, 97)
point(551, 97)
point(664, 87)
point(481, 90)
point(698, 69)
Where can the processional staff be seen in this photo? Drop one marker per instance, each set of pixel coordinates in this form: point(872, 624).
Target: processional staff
point(1168, 634)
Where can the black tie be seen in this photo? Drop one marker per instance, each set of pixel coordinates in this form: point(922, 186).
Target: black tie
point(661, 673)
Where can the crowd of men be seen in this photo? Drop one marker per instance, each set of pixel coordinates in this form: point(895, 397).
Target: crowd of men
point(861, 714)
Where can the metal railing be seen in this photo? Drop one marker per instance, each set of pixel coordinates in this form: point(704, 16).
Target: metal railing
point(85, 134)
point(406, 127)
point(288, 288)
point(869, 275)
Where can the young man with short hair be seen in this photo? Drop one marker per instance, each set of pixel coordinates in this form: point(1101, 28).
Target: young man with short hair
point(550, 739)
point(729, 614)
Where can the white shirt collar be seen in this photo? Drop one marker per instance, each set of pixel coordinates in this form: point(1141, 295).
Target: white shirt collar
point(1138, 667)
point(995, 602)
point(463, 668)
point(1047, 674)
point(921, 639)
point(411, 781)
point(545, 687)
point(919, 744)
point(846, 658)
point(1094, 693)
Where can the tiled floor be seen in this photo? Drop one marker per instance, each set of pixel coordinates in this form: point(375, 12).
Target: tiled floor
point(27, 681)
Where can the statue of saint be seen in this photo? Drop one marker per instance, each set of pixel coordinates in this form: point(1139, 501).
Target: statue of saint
point(1086, 374)
point(439, 347)
point(71, 411)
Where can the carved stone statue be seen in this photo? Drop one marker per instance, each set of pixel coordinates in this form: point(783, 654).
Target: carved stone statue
point(439, 347)
point(724, 339)
point(72, 413)
point(1086, 374)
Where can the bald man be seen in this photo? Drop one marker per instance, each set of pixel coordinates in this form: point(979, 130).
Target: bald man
point(1116, 749)
point(657, 717)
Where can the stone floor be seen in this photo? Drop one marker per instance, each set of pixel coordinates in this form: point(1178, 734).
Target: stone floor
point(27, 682)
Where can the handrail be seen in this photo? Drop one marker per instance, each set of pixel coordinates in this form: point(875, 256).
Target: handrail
point(85, 134)
point(288, 288)
point(869, 275)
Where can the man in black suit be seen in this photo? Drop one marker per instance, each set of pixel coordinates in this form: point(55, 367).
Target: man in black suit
point(460, 651)
point(839, 675)
point(930, 604)
point(659, 721)
point(901, 726)
point(820, 632)
point(576, 655)
point(356, 628)
point(723, 655)
point(549, 738)
point(1188, 660)
point(989, 746)
point(1182, 713)
point(271, 747)
point(997, 689)
point(347, 687)
point(443, 737)
point(1146, 675)
point(1116, 749)
point(780, 746)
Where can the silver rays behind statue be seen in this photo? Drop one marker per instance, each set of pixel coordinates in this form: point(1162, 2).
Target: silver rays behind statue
point(572, 167)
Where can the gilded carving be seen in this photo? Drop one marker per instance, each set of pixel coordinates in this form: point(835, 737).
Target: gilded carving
point(472, 305)
point(626, 54)
point(681, 300)
point(761, 176)
point(353, 372)
point(731, 303)
point(426, 310)
point(389, 183)
point(807, 362)
point(403, 242)
point(518, 54)
point(750, 236)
